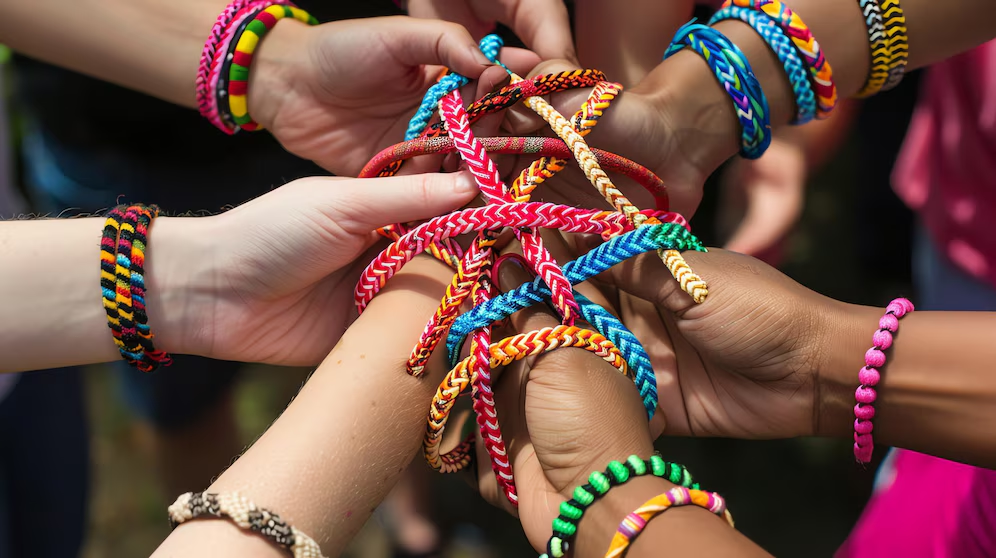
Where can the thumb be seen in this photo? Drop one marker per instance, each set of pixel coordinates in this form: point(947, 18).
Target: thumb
point(772, 211)
point(369, 203)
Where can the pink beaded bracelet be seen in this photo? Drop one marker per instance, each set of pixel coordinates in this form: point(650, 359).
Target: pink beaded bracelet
point(869, 377)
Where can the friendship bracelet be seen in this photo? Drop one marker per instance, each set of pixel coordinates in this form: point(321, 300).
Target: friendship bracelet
point(215, 87)
point(599, 483)
point(735, 75)
point(502, 353)
point(869, 376)
point(809, 49)
point(214, 40)
point(244, 513)
point(245, 44)
point(635, 522)
point(895, 31)
point(122, 281)
point(781, 45)
point(878, 44)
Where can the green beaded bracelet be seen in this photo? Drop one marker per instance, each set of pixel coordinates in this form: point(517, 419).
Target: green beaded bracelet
point(565, 526)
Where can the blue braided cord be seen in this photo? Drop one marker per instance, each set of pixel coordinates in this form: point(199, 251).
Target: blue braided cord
point(644, 239)
point(490, 45)
point(795, 69)
point(731, 68)
point(630, 347)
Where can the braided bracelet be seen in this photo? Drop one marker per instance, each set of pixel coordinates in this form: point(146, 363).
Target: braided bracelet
point(781, 45)
point(869, 376)
point(244, 44)
point(878, 45)
point(634, 523)
point(599, 483)
point(809, 49)
point(205, 104)
point(895, 31)
point(735, 75)
point(246, 515)
point(122, 281)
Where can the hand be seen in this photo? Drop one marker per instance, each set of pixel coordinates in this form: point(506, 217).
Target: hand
point(272, 280)
point(543, 25)
point(339, 92)
point(746, 362)
point(763, 200)
point(564, 414)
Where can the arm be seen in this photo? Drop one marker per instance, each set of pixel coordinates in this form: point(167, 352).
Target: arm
point(625, 38)
point(338, 449)
point(937, 391)
point(230, 286)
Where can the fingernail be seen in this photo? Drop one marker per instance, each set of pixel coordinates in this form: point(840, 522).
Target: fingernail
point(481, 59)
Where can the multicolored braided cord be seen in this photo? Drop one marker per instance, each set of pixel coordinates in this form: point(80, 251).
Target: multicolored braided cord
point(895, 31)
point(734, 73)
point(878, 44)
point(781, 45)
point(634, 523)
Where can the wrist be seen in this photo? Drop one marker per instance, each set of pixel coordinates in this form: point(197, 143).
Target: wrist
point(846, 333)
point(599, 524)
point(276, 68)
point(179, 284)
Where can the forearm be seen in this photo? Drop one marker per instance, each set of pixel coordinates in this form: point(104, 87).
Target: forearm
point(937, 393)
point(626, 38)
point(337, 450)
point(152, 46)
point(685, 530)
point(51, 297)
point(936, 30)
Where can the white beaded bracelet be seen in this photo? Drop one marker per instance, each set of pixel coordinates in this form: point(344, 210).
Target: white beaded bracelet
point(245, 514)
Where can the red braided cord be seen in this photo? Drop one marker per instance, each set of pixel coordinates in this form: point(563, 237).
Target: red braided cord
point(499, 354)
point(547, 147)
point(531, 214)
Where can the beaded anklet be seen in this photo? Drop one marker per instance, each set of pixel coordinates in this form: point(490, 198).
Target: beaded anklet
point(599, 483)
point(869, 376)
point(735, 75)
point(122, 282)
point(635, 522)
point(246, 515)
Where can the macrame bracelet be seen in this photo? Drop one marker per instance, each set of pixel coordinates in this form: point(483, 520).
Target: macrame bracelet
point(635, 522)
point(809, 49)
point(244, 45)
point(216, 58)
point(244, 513)
point(599, 483)
point(878, 45)
point(122, 282)
point(735, 75)
point(781, 45)
point(895, 31)
point(869, 376)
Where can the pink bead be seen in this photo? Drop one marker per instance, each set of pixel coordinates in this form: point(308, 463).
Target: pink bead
point(863, 426)
point(896, 308)
point(863, 439)
point(864, 412)
point(882, 339)
point(865, 394)
point(889, 322)
point(863, 454)
point(905, 302)
point(868, 377)
point(874, 358)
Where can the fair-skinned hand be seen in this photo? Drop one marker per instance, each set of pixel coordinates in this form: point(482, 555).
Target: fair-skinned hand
point(272, 280)
point(543, 25)
point(338, 93)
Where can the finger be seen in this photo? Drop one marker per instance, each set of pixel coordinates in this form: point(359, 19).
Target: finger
point(543, 25)
point(416, 42)
point(363, 205)
point(772, 212)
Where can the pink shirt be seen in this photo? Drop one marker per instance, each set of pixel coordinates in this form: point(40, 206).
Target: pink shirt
point(947, 169)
